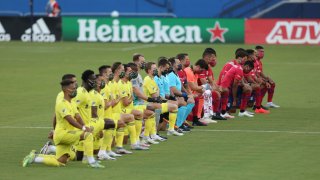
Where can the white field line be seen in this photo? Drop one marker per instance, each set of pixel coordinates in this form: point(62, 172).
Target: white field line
point(255, 131)
point(195, 130)
point(139, 47)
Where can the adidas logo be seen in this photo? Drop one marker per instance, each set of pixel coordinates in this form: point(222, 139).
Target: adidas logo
point(41, 33)
point(3, 35)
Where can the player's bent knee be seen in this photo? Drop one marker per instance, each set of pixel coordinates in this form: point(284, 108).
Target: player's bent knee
point(121, 124)
point(109, 124)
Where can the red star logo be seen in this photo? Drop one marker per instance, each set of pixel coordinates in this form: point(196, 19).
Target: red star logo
point(217, 32)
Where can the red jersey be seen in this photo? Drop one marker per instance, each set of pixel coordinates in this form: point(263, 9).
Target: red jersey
point(183, 77)
point(235, 73)
point(258, 66)
point(226, 68)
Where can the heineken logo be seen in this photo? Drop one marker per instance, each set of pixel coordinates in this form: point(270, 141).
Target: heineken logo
point(90, 31)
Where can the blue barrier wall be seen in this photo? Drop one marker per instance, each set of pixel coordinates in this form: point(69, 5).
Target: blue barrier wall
point(181, 8)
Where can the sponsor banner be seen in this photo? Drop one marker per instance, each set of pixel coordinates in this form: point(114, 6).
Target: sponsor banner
point(44, 29)
point(150, 30)
point(282, 31)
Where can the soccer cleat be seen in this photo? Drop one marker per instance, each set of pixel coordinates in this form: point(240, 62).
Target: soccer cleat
point(157, 138)
point(138, 147)
point(173, 132)
point(150, 141)
point(186, 123)
point(105, 156)
point(184, 128)
point(252, 113)
point(96, 165)
point(113, 154)
point(218, 117)
point(29, 158)
point(227, 115)
point(261, 111)
point(179, 130)
point(45, 148)
point(144, 144)
point(121, 150)
point(162, 136)
point(272, 105)
point(245, 113)
point(198, 123)
point(207, 120)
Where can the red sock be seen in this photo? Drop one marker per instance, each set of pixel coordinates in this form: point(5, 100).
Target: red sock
point(263, 93)
point(215, 101)
point(244, 100)
point(258, 97)
point(195, 108)
point(224, 100)
point(271, 92)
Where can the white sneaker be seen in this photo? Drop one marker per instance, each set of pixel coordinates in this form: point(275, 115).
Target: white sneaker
point(227, 115)
point(252, 113)
point(105, 156)
point(143, 144)
point(205, 120)
point(138, 147)
point(113, 154)
point(173, 132)
point(45, 148)
point(150, 141)
point(157, 138)
point(272, 105)
point(245, 113)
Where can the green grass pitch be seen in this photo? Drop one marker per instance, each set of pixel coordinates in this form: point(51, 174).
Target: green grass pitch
point(282, 145)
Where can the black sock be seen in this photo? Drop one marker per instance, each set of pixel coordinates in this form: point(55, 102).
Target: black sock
point(242, 111)
point(223, 111)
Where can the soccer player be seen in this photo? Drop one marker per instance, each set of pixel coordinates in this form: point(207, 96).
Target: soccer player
point(256, 83)
point(232, 80)
point(105, 151)
point(207, 76)
point(152, 110)
point(151, 90)
point(175, 88)
point(68, 131)
point(123, 119)
point(197, 90)
point(126, 95)
point(165, 94)
point(270, 84)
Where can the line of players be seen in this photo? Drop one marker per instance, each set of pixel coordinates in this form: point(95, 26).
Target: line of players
point(117, 102)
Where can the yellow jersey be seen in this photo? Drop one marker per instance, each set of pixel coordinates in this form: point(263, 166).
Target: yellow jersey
point(114, 86)
point(64, 108)
point(126, 91)
point(107, 96)
point(83, 102)
point(97, 101)
point(60, 97)
point(150, 86)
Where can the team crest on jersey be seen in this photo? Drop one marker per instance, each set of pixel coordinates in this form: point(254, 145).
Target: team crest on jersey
point(100, 106)
point(64, 110)
point(87, 106)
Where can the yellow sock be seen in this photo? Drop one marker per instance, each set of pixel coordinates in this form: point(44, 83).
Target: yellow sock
point(88, 145)
point(154, 127)
point(126, 131)
point(148, 126)
point(50, 160)
point(132, 132)
point(138, 124)
point(107, 139)
point(119, 137)
point(172, 120)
